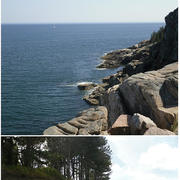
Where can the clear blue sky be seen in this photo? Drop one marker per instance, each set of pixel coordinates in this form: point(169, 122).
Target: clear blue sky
point(67, 11)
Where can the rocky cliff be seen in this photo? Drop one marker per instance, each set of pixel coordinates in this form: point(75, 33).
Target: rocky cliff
point(142, 98)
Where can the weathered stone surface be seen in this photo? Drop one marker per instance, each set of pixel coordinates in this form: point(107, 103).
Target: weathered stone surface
point(124, 56)
point(94, 128)
point(113, 103)
point(79, 123)
point(122, 121)
point(68, 128)
point(139, 124)
point(115, 79)
point(86, 85)
point(91, 121)
point(91, 100)
point(104, 133)
point(147, 94)
point(54, 130)
point(136, 125)
point(158, 131)
point(83, 131)
point(121, 126)
point(133, 67)
point(94, 96)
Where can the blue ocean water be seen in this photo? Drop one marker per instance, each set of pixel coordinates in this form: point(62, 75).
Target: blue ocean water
point(42, 64)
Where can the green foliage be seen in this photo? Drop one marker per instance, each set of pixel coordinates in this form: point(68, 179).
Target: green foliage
point(174, 126)
point(157, 36)
point(30, 151)
point(9, 151)
point(30, 173)
point(80, 157)
point(83, 156)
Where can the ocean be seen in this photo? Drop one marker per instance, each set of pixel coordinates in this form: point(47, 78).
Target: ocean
point(43, 63)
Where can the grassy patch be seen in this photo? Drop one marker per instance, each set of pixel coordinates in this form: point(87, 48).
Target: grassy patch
point(15, 172)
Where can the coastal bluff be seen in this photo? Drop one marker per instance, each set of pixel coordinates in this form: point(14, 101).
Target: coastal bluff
point(141, 99)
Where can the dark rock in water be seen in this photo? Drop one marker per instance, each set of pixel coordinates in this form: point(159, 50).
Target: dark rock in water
point(134, 67)
point(114, 79)
point(86, 85)
point(124, 56)
point(91, 100)
point(93, 97)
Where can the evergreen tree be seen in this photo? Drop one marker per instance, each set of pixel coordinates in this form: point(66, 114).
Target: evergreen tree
point(9, 153)
point(79, 158)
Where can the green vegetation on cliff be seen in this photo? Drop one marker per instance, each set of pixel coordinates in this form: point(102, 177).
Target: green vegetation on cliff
point(157, 36)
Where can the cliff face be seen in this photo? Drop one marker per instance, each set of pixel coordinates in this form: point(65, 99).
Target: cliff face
point(145, 86)
point(166, 51)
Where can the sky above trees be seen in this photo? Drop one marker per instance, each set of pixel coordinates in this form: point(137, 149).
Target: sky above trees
point(153, 157)
point(80, 11)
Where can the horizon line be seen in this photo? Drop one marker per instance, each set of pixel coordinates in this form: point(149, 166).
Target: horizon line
point(80, 22)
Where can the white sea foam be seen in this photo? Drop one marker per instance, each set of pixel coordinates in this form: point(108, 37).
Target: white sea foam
point(67, 85)
point(101, 69)
point(74, 84)
point(85, 82)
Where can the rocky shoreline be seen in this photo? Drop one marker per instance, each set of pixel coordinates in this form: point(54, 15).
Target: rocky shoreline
point(141, 99)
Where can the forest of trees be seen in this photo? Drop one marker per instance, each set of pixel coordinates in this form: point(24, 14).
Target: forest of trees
point(79, 158)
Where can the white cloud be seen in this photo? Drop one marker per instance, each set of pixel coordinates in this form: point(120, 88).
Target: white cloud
point(143, 158)
point(136, 173)
point(126, 149)
point(160, 156)
point(117, 172)
point(140, 174)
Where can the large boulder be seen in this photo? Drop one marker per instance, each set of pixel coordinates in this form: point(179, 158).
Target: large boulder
point(153, 94)
point(139, 124)
point(113, 103)
point(88, 122)
point(54, 130)
point(136, 125)
point(121, 125)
